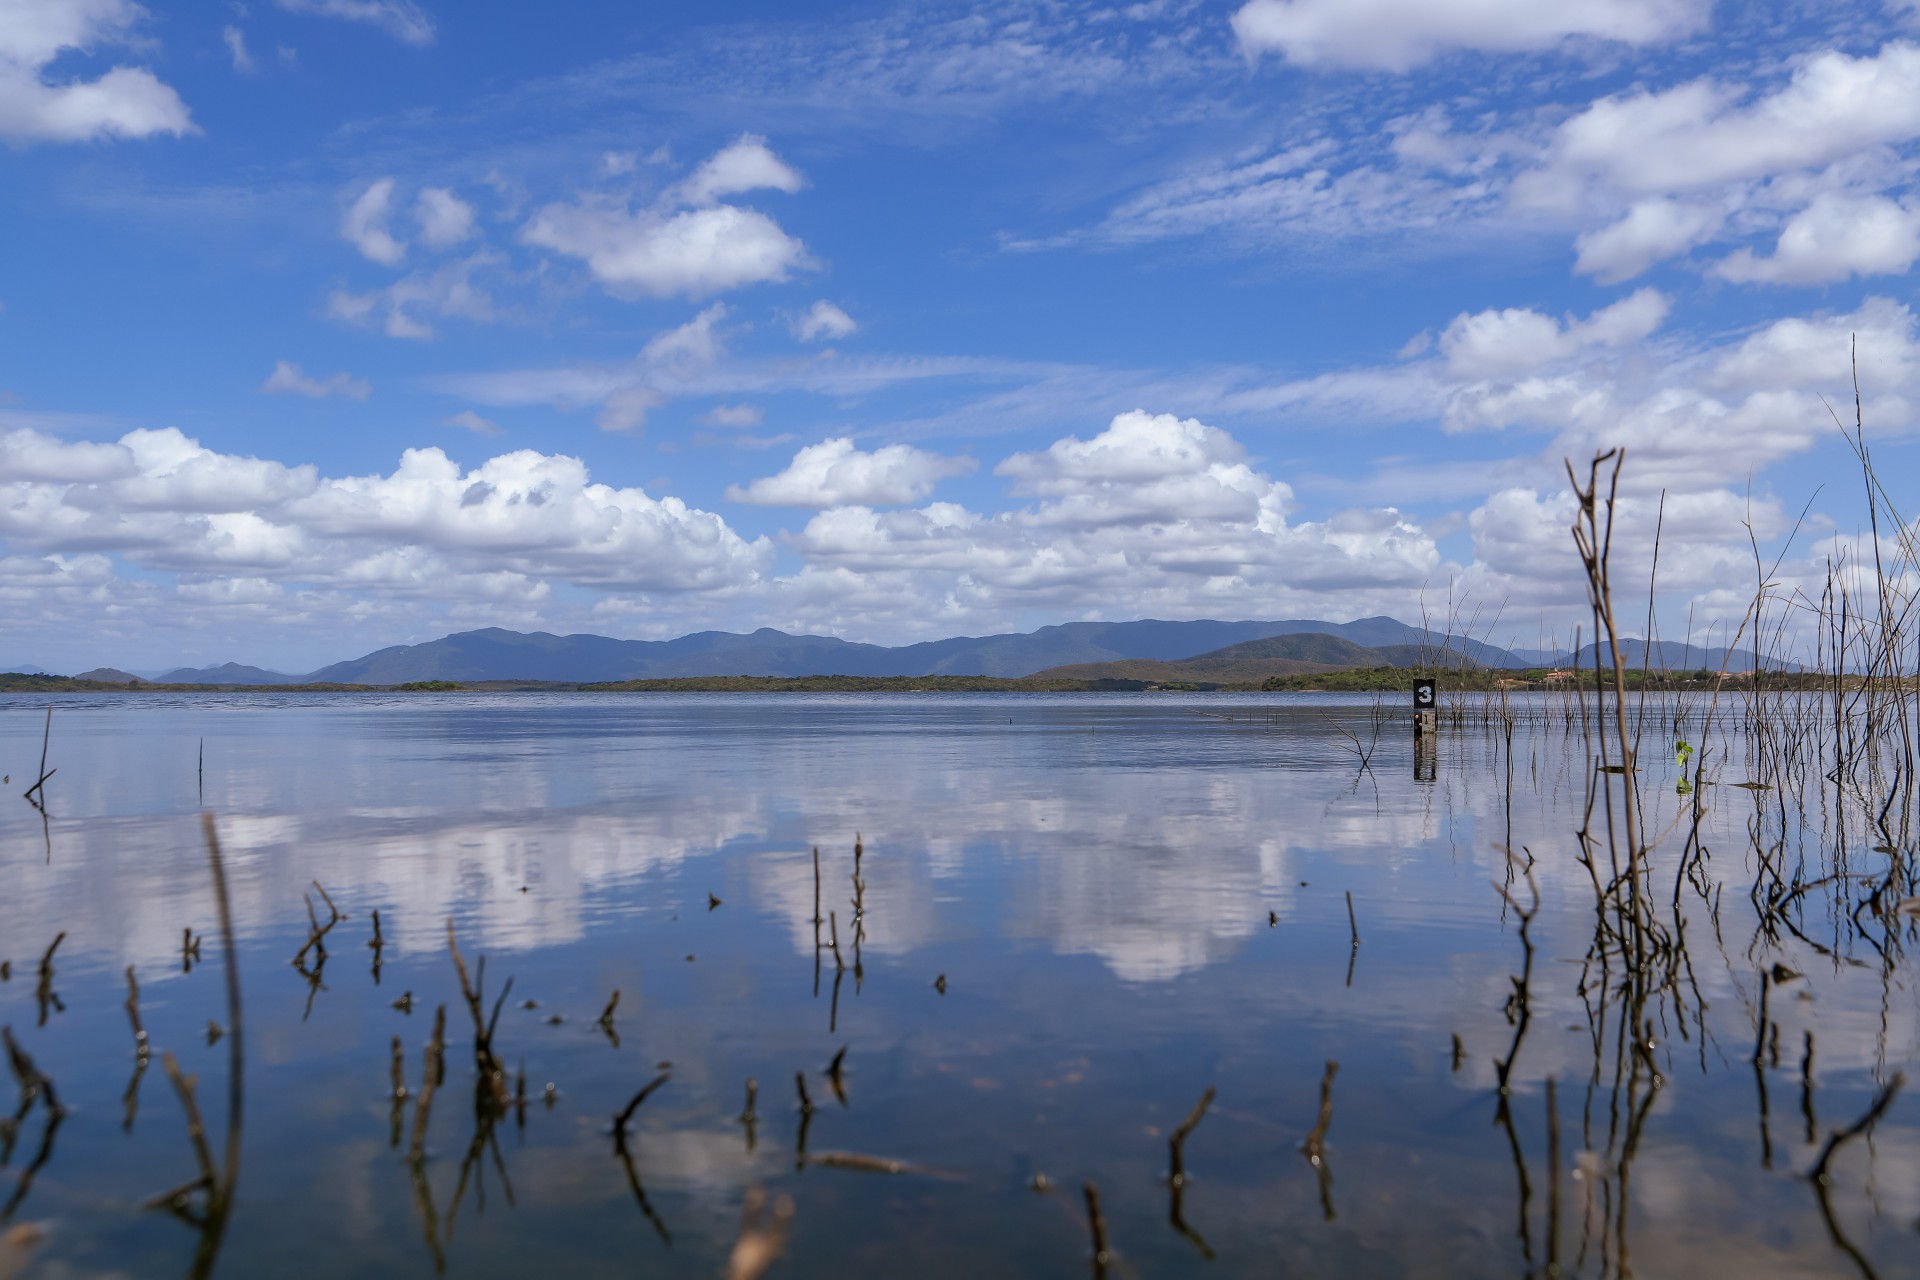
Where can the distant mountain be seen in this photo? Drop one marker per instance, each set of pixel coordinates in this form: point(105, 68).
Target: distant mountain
point(496, 654)
point(109, 675)
point(1672, 655)
point(1247, 663)
point(1254, 661)
point(226, 673)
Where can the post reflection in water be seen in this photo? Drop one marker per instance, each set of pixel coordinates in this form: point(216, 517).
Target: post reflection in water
point(1597, 986)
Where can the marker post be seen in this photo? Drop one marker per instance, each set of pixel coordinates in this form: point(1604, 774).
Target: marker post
point(1426, 731)
point(1426, 709)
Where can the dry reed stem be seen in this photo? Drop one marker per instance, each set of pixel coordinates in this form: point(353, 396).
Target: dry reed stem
point(40, 780)
point(1553, 1179)
point(236, 1053)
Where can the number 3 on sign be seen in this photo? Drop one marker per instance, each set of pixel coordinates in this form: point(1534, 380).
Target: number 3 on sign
point(1423, 699)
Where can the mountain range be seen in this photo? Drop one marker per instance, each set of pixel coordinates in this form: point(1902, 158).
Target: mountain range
point(497, 654)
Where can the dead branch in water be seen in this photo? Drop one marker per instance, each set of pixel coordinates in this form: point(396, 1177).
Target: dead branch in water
point(1842, 1136)
point(196, 1127)
point(1315, 1145)
point(16, 1248)
point(762, 1238)
point(40, 778)
point(633, 1104)
point(429, 1082)
point(317, 932)
point(833, 1074)
point(1175, 1144)
point(34, 1084)
point(44, 993)
point(493, 1075)
point(133, 1015)
point(1097, 1225)
point(1314, 1148)
point(1177, 1175)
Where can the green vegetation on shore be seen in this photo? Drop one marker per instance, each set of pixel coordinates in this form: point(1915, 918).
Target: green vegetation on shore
point(1358, 680)
point(865, 684)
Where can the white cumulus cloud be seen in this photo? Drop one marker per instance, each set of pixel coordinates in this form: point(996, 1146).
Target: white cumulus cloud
point(684, 244)
point(1704, 134)
point(1834, 237)
point(1396, 35)
point(445, 219)
point(823, 320)
point(834, 473)
point(1653, 230)
point(510, 525)
point(1504, 342)
point(747, 164)
point(125, 102)
point(1161, 512)
point(364, 224)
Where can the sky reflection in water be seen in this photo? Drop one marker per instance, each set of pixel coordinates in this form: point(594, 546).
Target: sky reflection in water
point(1131, 898)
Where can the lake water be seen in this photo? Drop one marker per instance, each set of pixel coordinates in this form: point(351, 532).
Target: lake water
point(1130, 899)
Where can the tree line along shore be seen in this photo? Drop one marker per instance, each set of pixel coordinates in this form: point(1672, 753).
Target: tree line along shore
point(1360, 680)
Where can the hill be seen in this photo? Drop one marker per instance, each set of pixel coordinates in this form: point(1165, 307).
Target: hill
point(497, 654)
point(1250, 663)
point(226, 673)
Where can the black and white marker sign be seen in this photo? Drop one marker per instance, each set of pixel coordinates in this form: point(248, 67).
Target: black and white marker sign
point(1423, 698)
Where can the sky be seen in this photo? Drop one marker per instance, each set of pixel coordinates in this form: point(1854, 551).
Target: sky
point(327, 325)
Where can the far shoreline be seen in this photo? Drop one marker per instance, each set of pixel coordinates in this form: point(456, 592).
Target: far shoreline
point(1359, 680)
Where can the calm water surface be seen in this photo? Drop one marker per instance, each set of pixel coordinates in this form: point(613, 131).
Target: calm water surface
point(1131, 899)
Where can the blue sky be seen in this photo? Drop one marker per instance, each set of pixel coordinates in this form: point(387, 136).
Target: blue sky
point(331, 324)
